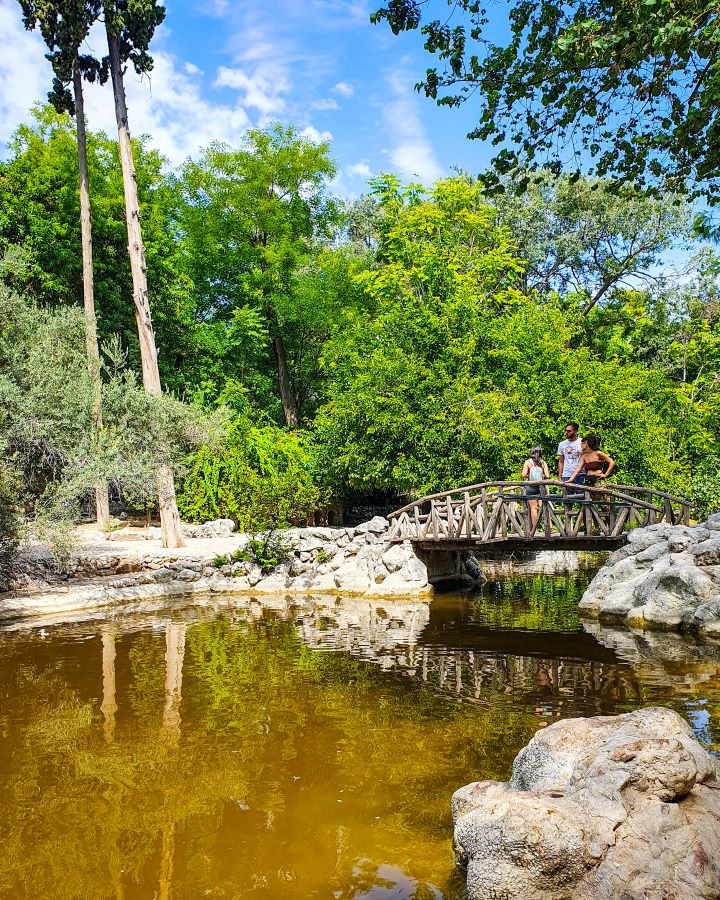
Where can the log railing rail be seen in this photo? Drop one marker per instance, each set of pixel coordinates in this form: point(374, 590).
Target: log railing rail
point(495, 512)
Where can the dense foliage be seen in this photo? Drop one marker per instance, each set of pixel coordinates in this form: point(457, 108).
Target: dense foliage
point(459, 373)
point(261, 477)
point(410, 341)
point(39, 225)
point(48, 460)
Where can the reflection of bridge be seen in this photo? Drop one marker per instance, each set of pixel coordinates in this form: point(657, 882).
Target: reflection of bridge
point(446, 650)
point(498, 514)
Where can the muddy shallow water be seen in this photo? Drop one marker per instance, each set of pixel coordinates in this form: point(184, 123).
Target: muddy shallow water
point(231, 750)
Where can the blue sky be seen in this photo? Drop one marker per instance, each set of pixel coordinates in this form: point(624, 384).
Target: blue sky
point(223, 66)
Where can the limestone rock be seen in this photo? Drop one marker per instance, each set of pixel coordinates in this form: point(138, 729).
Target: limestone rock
point(659, 579)
point(350, 560)
point(713, 522)
point(707, 553)
point(394, 558)
point(707, 617)
point(376, 525)
point(669, 596)
point(214, 529)
point(617, 806)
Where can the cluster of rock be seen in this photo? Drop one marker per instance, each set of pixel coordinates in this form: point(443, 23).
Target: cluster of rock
point(316, 560)
point(614, 806)
point(665, 577)
point(218, 528)
point(357, 560)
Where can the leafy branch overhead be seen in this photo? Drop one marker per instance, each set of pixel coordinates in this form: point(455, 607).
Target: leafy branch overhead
point(633, 88)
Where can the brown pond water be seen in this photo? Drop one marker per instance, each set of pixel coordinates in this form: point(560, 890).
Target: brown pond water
point(230, 750)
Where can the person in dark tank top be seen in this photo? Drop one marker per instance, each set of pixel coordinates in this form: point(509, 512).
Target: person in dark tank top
point(593, 461)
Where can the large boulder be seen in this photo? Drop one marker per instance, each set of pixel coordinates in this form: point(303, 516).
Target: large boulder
point(215, 529)
point(659, 580)
point(615, 806)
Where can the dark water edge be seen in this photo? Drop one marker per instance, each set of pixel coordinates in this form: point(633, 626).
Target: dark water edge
point(310, 750)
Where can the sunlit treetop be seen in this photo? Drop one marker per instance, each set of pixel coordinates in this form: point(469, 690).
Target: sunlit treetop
point(623, 89)
point(64, 25)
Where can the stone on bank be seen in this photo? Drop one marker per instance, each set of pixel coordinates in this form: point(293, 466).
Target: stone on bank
point(666, 577)
point(355, 561)
point(614, 806)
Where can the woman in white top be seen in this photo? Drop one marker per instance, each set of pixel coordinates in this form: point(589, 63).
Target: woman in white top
point(535, 469)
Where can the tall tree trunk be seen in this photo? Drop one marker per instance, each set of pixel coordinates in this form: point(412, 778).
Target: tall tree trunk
point(169, 516)
point(292, 418)
point(102, 504)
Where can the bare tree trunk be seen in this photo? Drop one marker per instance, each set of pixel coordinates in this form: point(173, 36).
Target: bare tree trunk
point(287, 397)
point(102, 504)
point(167, 862)
point(169, 516)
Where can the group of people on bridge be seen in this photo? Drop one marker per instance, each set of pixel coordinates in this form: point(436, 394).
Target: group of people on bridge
point(579, 461)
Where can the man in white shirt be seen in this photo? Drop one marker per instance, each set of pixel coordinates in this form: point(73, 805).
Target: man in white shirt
point(569, 452)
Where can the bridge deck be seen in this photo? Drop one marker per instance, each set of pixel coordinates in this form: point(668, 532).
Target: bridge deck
point(505, 515)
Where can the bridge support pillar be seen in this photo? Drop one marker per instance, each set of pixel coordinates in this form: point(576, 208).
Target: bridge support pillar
point(446, 568)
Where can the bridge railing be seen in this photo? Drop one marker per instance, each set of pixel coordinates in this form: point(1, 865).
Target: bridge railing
point(497, 511)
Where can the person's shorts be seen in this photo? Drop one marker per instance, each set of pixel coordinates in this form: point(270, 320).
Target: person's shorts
point(571, 487)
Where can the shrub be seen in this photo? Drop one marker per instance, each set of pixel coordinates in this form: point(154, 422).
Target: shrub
point(261, 478)
point(9, 522)
point(268, 552)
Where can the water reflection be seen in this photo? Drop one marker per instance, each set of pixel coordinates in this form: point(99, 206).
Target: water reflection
point(309, 750)
point(519, 642)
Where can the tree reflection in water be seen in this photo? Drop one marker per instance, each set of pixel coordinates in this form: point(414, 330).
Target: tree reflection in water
point(307, 751)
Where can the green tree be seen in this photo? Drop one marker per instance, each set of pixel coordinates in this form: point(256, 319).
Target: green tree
point(39, 211)
point(634, 87)
point(262, 477)
point(249, 220)
point(584, 237)
point(458, 373)
point(64, 27)
point(45, 417)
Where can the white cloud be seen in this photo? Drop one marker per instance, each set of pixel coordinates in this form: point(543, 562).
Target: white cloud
point(412, 153)
point(327, 103)
point(170, 107)
point(259, 92)
point(344, 89)
point(25, 74)
point(359, 169)
point(317, 137)
point(173, 104)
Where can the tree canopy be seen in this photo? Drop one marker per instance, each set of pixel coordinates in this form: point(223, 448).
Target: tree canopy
point(458, 372)
point(431, 335)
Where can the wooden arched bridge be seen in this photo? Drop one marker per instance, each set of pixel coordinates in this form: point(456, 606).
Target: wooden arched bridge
point(499, 514)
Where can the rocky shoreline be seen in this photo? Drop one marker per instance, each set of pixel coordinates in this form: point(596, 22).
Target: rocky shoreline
point(136, 568)
point(667, 577)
